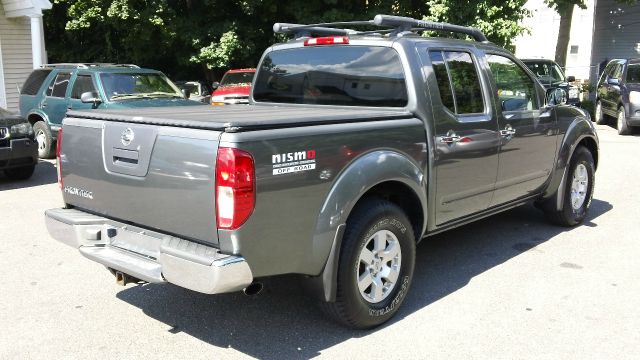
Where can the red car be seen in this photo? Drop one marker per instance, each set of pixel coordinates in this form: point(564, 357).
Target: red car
point(234, 87)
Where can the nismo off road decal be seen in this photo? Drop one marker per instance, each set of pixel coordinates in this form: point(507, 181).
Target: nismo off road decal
point(293, 162)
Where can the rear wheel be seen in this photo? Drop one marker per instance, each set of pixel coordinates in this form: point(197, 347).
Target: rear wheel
point(376, 265)
point(577, 192)
point(599, 115)
point(20, 173)
point(44, 139)
point(623, 127)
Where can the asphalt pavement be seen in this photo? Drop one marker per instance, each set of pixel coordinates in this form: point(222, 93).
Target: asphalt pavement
point(510, 286)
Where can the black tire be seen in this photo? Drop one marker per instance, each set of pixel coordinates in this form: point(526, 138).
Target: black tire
point(20, 173)
point(568, 215)
point(621, 122)
point(43, 132)
point(372, 216)
point(599, 116)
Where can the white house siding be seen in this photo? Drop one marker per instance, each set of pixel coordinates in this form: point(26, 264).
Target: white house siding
point(541, 42)
point(14, 7)
point(15, 51)
point(616, 32)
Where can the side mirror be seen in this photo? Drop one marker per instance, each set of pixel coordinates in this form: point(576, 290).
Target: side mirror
point(90, 97)
point(571, 78)
point(556, 96)
point(186, 93)
point(613, 81)
point(215, 85)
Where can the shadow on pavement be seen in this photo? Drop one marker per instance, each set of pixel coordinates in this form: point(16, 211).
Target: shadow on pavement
point(282, 322)
point(44, 174)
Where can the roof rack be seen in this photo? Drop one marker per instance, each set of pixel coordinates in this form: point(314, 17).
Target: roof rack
point(89, 65)
point(398, 25)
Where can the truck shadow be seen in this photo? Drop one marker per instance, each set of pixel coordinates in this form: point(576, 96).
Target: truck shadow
point(44, 174)
point(283, 322)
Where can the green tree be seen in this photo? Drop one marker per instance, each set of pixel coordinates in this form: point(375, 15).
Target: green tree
point(187, 38)
point(499, 20)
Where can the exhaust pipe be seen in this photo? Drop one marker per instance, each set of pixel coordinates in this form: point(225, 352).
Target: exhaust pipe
point(253, 289)
point(122, 278)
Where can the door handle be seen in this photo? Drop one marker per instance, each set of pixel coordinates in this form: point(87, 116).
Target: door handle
point(508, 131)
point(450, 139)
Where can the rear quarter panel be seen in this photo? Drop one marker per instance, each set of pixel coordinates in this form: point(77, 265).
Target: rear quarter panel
point(280, 236)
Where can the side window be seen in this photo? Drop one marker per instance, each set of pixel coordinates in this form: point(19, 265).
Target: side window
point(82, 84)
point(458, 81)
point(59, 86)
point(442, 76)
point(516, 90)
point(34, 81)
point(617, 72)
point(633, 73)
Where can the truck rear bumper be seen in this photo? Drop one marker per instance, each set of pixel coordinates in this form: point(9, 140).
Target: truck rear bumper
point(148, 255)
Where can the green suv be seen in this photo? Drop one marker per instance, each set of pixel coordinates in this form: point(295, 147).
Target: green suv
point(50, 91)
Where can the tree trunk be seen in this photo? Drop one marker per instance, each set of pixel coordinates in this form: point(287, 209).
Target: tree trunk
point(566, 14)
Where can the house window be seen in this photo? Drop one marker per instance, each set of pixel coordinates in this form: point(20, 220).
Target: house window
point(573, 49)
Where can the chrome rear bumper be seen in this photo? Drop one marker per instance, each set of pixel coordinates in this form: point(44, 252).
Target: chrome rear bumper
point(147, 255)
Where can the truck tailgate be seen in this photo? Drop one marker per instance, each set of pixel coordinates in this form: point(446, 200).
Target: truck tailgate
point(158, 177)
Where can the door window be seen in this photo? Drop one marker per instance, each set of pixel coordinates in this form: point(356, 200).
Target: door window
point(83, 84)
point(458, 81)
point(516, 90)
point(59, 86)
point(617, 72)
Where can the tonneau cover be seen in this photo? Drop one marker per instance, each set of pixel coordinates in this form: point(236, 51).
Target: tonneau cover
point(235, 118)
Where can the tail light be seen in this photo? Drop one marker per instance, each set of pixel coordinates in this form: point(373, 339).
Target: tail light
point(329, 40)
point(235, 187)
point(58, 162)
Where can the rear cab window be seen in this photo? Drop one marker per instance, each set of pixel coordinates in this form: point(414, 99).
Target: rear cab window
point(350, 75)
point(458, 81)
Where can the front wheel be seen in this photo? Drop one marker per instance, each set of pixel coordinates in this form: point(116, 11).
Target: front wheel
point(578, 190)
point(376, 265)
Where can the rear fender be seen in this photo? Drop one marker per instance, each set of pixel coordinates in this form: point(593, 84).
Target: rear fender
point(37, 113)
point(353, 183)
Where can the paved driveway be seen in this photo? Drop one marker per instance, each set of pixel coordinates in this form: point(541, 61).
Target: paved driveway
point(510, 286)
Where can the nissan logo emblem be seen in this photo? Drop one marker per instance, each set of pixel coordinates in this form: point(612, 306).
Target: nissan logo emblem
point(127, 136)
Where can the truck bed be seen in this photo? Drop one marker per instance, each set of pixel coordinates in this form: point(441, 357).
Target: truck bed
point(241, 118)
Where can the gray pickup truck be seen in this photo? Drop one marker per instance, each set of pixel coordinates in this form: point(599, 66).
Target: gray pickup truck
point(357, 145)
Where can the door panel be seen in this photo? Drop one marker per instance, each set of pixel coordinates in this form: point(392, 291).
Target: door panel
point(54, 103)
point(528, 132)
point(466, 137)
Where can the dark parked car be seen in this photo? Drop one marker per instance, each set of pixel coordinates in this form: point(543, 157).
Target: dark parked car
point(18, 150)
point(49, 92)
point(618, 94)
point(551, 76)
